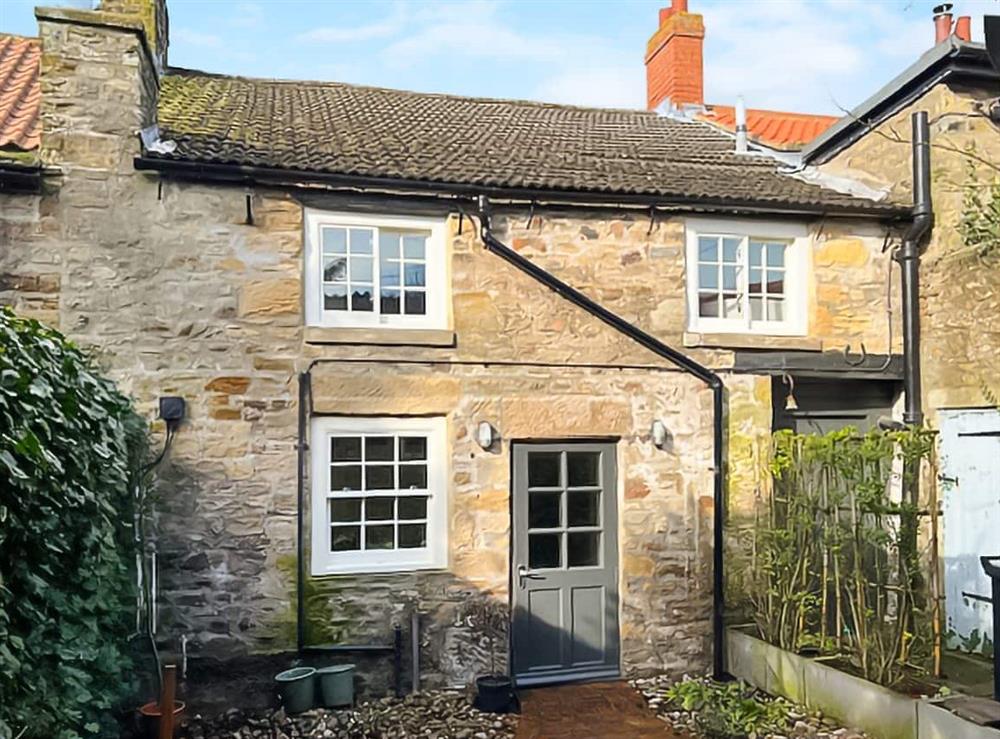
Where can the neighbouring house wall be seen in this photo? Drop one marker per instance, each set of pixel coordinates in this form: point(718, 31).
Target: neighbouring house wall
point(179, 296)
point(959, 295)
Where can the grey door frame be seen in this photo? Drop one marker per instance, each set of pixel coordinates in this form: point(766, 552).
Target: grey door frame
point(605, 574)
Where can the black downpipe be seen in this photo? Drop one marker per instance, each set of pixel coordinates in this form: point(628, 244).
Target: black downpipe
point(687, 364)
point(305, 390)
point(909, 259)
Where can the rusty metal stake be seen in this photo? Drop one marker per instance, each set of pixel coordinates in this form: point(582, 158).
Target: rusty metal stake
point(167, 701)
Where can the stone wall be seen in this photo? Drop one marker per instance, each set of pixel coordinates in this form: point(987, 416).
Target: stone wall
point(959, 293)
point(180, 296)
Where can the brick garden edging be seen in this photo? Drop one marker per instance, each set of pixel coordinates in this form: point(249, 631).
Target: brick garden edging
point(878, 711)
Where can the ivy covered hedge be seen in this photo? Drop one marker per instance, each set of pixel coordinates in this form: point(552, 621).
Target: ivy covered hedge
point(71, 447)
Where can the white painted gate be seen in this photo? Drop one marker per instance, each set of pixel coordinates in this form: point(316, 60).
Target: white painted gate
point(970, 472)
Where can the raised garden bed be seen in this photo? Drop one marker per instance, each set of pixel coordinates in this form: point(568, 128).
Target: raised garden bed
point(881, 712)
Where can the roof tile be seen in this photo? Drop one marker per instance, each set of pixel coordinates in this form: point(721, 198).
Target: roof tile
point(379, 133)
point(20, 92)
point(774, 128)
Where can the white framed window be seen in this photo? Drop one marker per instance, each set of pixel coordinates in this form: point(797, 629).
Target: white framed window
point(367, 271)
point(379, 494)
point(747, 277)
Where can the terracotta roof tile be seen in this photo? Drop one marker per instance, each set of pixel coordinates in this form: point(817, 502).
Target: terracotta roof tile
point(773, 128)
point(20, 92)
point(379, 133)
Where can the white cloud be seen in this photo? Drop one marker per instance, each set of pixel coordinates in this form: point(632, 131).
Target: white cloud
point(194, 38)
point(609, 87)
point(387, 27)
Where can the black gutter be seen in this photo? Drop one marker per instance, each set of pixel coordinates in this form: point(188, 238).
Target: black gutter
point(19, 179)
point(909, 258)
point(282, 177)
point(710, 378)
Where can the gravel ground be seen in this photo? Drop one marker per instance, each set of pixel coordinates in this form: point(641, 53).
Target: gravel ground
point(437, 714)
point(803, 724)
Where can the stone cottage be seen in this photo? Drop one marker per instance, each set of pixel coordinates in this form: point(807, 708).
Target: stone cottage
point(956, 83)
point(386, 419)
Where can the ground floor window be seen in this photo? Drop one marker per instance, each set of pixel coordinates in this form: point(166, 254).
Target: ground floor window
point(379, 501)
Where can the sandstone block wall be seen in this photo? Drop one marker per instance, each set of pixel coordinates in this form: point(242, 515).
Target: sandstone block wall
point(178, 295)
point(959, 293)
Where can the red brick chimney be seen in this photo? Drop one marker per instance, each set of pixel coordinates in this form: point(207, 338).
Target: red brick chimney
point(674, 67)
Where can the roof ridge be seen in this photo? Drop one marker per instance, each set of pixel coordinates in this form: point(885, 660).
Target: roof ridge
point(33, 39)
point(772, 111)
point(186, 72)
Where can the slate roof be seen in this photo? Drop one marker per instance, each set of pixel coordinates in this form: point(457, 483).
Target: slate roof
point(337, 128)
point(20, 93)
point(774, 128)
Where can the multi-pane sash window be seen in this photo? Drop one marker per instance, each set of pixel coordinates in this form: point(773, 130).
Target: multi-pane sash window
point(379, 494)
point(368, 271)
point(744, 283)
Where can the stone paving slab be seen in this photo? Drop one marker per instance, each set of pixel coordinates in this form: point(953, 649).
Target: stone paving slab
point(592, 710)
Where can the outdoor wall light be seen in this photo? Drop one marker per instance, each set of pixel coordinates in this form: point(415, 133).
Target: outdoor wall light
point(658, 431)
point(790, 403)
point(486, 435)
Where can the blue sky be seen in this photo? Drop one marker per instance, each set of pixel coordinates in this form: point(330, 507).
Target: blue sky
point(808, 55)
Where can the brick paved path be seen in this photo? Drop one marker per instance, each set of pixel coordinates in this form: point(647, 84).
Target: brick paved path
point(588, 711)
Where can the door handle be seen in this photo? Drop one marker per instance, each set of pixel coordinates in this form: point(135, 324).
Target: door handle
point(523, 574)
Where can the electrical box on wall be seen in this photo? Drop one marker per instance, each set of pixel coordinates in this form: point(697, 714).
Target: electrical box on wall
point(172, 409)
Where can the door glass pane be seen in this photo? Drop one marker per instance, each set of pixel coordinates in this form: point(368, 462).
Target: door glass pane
point(544, 550)
point(345, 448)
point(583, 508)
point(412, 535)
point(583, 469)
point(378, 509)
point(412, 507)
point(379, 477)
point(379, 537)
point(543, 510)
point(345, 477)
point(543, 469)
point(345, 509)
point(379, 448)
point(345, 538)
point(583, 548)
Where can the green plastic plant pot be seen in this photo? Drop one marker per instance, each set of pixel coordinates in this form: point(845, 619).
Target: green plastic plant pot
point(297, 688)
point(336, 685)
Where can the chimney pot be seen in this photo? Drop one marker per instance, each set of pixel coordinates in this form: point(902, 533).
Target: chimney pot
point(963, 28)
point(942, 22)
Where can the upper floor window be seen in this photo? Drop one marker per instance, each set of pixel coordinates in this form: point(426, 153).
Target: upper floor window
point(364, 271)
point(746, 277)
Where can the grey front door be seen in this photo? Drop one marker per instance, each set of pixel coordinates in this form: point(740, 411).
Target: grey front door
point(564, 568)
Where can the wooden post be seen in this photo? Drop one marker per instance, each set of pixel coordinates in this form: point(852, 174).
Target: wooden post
point(167, 701)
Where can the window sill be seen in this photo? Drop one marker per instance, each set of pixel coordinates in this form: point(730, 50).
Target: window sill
point(380, 336)
point(751, 341)
point(385, 569)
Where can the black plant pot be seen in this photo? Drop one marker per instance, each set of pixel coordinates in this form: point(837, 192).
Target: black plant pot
point(496, 694)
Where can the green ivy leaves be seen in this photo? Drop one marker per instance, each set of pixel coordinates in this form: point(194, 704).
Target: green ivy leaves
point(70, 444)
